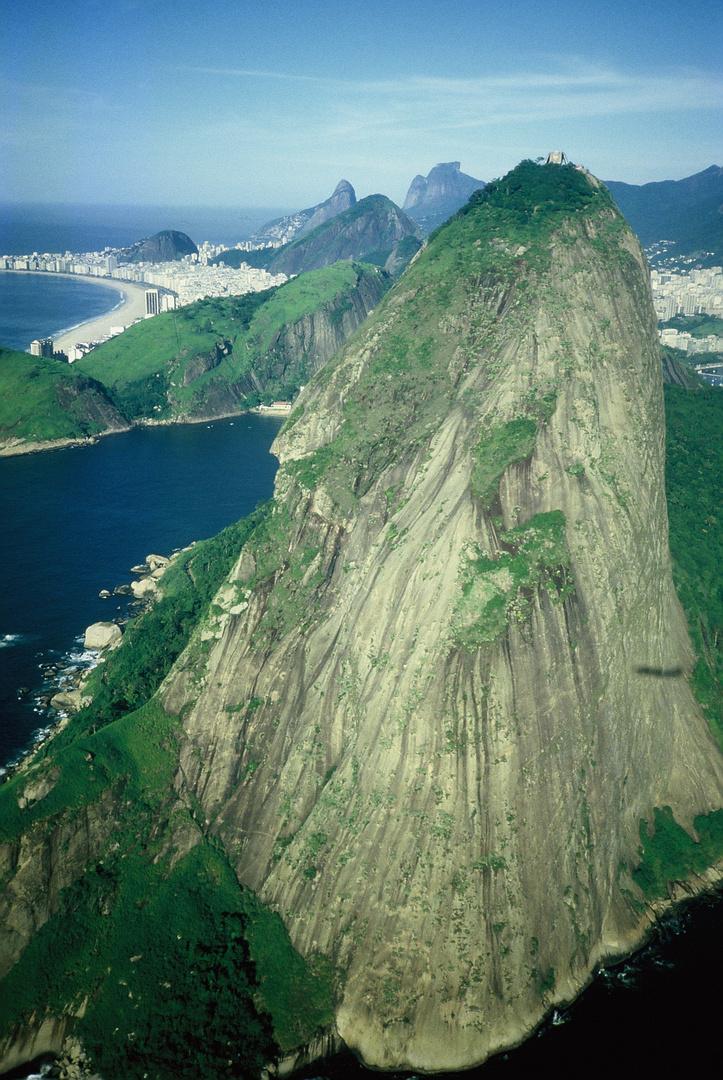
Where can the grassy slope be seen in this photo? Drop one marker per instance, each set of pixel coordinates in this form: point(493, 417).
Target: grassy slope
point(29, 407)
point(143, 363)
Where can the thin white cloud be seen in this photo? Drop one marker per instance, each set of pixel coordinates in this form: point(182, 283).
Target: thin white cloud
point(525, 96)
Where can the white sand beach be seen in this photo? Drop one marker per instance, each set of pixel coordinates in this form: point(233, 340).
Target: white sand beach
point(132, 307)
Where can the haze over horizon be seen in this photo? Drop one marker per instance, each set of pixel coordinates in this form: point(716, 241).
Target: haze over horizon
point(173, 102)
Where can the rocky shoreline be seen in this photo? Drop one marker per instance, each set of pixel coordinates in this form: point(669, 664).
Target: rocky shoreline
point(15, 447)
point(65, 690)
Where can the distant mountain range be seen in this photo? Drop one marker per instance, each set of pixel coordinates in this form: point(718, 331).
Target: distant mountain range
point(369, 231)
point(292, 225)
point(688, 211)
point(433, 198)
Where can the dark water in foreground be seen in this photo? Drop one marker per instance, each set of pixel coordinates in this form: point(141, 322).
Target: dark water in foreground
point(73, 522)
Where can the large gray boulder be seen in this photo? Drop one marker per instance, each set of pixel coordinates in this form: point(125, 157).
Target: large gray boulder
point(102, 635)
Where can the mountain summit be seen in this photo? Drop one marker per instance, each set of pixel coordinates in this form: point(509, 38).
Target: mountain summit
point(166, 246)
point(460, 639)
point(433, 198)
point(293, 225)
point(428, 722)
point(369, 231)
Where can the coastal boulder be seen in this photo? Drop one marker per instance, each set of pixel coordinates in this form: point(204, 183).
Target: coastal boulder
point(102, 635)
point(144, 588)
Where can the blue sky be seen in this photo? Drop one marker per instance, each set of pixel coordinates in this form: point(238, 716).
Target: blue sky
point(271, 103)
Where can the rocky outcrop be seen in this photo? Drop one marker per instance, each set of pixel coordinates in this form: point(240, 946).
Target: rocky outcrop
point(166, 246)
point(456, 682)
point(446, 679)
point(293, 225)
point(200, 365)
point(342, 199)
point(365, 232)
point(433, 198)
point(102, 635)
point(298, 349)
point(87, 402)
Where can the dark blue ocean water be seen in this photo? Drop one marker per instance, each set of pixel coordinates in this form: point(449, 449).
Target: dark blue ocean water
point(54, 228)
point(41, 305)
point(73, 522)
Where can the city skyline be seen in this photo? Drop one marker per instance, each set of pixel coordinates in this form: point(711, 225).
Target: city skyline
point(189, 103)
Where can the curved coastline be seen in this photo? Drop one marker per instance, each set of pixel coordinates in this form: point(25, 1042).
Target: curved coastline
point(131, 306)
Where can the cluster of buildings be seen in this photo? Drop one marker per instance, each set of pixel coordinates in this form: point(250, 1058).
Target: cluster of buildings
point(190, 279)
point(169, 285)
point(692, 292)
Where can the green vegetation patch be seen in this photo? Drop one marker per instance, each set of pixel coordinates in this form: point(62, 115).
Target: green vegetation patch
point(694, 487)
point(499, 448)
point(136, 752)
point(497, 590)
point(698, 326)
point(221, 348)
point(42, 399)
point(671, 854)
point(184, 972)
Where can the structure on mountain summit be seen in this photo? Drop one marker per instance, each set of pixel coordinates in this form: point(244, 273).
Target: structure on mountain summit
point(557, 157)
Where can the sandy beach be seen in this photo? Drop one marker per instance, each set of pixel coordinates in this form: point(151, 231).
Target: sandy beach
point(132, 307)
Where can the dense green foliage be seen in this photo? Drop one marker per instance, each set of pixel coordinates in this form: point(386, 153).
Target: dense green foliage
point(132, 674)
point(671, 854)
point(698, 326)
point(186, 973)
point(694, 486)
point(536, 196)
point(42, 398)
point(221, 352)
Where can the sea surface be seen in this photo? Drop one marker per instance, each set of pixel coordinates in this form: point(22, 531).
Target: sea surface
point(42, 305)
point(73, 522)
point(54, 228)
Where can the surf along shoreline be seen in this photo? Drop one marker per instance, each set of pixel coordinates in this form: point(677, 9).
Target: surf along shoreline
point(131, 306)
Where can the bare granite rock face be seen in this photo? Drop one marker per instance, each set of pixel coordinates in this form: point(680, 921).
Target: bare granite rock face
point(454, 678)
point(102, 635)
point(446, 678)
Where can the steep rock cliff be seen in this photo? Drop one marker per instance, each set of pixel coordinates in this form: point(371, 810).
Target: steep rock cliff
point(367, 232)
point(433, 198)
point(429, 706)
point(290, 356)
point(448, 675)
